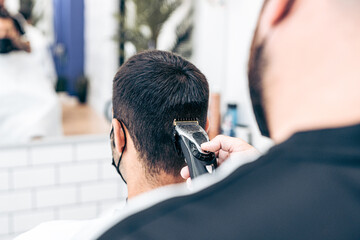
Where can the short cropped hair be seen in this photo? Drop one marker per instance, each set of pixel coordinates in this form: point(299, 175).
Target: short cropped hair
point(150, 90)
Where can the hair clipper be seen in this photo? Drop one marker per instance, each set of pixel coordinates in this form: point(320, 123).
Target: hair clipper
point(188, 137)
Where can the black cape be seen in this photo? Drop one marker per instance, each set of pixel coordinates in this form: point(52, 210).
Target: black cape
point(305, 188)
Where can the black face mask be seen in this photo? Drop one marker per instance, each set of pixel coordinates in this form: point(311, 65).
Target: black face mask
point(6, 45)
point(256, 68)
point(116, 164)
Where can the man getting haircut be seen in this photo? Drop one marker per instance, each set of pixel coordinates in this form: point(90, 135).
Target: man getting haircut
point(149, 91)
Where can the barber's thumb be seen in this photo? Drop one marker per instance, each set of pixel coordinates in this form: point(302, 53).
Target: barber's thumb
point(185, 174)
point(210, 146)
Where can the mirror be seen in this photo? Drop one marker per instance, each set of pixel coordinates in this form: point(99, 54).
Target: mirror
point(58, 59)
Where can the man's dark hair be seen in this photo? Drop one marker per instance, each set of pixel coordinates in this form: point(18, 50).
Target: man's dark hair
point(150, 90)
point(4, 14)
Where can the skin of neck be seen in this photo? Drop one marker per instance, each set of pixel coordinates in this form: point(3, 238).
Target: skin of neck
point(312, 77)
point(140, 183)
point(138, 178)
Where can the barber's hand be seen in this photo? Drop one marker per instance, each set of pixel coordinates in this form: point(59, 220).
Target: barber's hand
point(224, 147)
point(22, 45)
point(18, 42)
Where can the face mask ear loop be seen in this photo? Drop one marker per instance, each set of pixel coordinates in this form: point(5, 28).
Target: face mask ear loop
point(122, 152)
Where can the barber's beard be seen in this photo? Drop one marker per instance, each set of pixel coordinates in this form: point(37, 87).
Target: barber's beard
point(257, 65)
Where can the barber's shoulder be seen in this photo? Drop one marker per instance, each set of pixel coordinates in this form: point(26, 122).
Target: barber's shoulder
point(55, 230)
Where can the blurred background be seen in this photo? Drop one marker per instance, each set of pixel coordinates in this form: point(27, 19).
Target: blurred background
point(55, 94)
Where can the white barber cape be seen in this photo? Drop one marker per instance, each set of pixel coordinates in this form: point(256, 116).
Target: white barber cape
point(29, 106)
point(92, 229)
point(68, 229)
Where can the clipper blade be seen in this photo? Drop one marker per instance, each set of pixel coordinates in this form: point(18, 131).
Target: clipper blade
point(186, 121)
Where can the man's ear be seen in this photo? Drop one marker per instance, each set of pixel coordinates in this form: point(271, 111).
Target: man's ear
point(119, 136)
point(273, 13)
point(207, 125)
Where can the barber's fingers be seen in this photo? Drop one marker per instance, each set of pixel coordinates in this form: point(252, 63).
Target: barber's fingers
point(222, 156)
point(223, 147)
point(225, 143)
point(185, 174)
point(214, 145)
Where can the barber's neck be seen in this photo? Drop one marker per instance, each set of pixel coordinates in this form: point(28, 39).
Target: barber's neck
point(317, 89)
point(330, 101)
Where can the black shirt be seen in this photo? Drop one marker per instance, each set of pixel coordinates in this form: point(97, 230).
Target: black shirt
point(305, 188)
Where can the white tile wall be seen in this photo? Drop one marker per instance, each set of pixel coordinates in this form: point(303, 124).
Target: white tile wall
point(4, 180)
point(95, 151)
point(4, 225)
point(78, 172)
point(13, 157)
point(51, 154)
point(15, 200)
point(34, 177)
point(68, 179)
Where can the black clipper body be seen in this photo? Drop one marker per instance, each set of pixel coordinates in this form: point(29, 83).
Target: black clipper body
point(188, 137)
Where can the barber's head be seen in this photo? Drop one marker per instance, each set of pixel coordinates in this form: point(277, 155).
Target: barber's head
point(149, 91)
point(6, 23)
point(10, 33)
point(303, 68)
point(7, 31)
